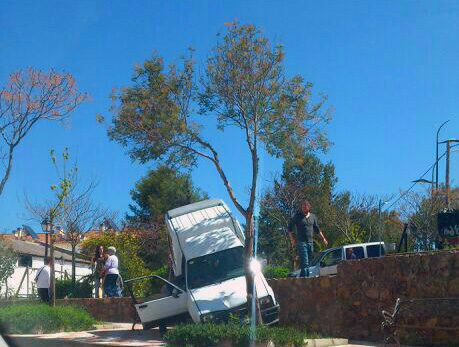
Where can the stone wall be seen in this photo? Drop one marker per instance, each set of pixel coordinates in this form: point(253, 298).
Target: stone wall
point(350, 304)
point(106, 309)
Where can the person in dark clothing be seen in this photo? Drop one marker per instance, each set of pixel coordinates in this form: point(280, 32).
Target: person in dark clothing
point(306, 225)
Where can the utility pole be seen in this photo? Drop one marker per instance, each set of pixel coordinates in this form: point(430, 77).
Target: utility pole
point(447, 174)
point(448, 153)
point(436, 157)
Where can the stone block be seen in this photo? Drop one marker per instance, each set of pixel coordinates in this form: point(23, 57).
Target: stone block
point(453, 287)
point(372, 293)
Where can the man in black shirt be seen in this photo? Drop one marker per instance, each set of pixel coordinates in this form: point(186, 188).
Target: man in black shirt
point(306, 225)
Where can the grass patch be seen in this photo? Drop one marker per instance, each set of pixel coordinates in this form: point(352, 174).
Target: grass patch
point(212, 334)
point(33, 319)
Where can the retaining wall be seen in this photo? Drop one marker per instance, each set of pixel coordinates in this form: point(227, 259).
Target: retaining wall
point(350, 304)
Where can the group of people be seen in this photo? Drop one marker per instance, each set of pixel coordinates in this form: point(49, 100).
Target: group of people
point(106, 275)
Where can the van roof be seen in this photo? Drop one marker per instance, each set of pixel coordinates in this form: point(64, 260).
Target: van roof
point(355, 245)
point(204, 227)
point(204, 204)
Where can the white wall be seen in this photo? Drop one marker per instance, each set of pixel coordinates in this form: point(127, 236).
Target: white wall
point(28, 285)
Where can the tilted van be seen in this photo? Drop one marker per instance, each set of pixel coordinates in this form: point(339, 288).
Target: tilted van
point(207, 251)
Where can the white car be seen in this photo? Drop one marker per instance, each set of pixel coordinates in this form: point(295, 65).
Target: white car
point(207, 248)
point(326, 262)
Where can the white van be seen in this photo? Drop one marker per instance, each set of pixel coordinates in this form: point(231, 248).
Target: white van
point(326, 262)
point(207, 248)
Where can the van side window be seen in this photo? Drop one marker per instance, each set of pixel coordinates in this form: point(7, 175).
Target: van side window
point(359, 253)
point(375, 251)
point(332, 258)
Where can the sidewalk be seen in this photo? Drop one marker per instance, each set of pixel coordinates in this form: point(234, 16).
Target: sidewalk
point(120, 334)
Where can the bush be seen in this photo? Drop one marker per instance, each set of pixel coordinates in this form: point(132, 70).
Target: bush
point(276, 271)
point(33, 319)
point(212, 334)
point(83, 288)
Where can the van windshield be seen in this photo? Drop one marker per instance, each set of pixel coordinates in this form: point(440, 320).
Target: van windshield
point(215, 268)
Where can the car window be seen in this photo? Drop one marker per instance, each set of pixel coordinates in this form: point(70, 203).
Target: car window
point(375, 251)
point(332, 258)
point(359, 253)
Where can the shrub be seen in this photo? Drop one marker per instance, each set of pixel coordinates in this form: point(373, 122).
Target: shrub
point(212, 334)
point(83, 288)
point(276, 271)
point(32, 319)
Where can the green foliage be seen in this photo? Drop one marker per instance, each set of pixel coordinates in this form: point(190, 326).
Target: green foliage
point(8, 261)
point(66, 182)
point(33, 319)
point(160, 190)
point(83, 288)
point(127, 243)
point(344, 218)
point(276, 271)
point(212, 334)
point(303, 177)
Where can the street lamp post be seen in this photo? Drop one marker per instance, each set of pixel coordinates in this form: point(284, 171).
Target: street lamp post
point(380, 205)
point(436, 157)
point(45, 227)
point(447, 176)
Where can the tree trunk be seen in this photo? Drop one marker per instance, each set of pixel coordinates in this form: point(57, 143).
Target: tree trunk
point(8, 170)
point(73, 267)
point(249, 276)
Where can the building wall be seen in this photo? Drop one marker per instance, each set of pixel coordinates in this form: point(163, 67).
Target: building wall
point(28, 286)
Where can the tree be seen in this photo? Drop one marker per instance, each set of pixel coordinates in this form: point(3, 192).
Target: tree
point(31, 96)
point(159, 191)
point(303, 177)
point(244, 86)
point(72, 208)
point(420, 210)
point(8, 261)
point(357, 220)
point(79, 215)
point(345, 218)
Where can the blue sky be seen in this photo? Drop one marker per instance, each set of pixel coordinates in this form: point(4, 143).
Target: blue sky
point(390, 69)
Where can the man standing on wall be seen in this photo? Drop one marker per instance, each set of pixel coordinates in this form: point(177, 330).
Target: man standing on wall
point(42, 279)
point(306, 224)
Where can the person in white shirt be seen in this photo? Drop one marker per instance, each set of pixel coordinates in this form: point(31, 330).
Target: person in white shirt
point(43, 279)
point(112, 275)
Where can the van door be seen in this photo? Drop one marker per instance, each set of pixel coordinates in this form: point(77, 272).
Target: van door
point(168, 305)
point(329, 262)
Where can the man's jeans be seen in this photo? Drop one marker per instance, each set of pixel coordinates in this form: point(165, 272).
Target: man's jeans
point(305, 250)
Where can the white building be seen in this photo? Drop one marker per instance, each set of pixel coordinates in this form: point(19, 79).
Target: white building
point(30, 259)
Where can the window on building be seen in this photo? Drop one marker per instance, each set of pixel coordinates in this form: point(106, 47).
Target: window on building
point(25, 260)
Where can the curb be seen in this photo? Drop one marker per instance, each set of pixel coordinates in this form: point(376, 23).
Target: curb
point(326, 342)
